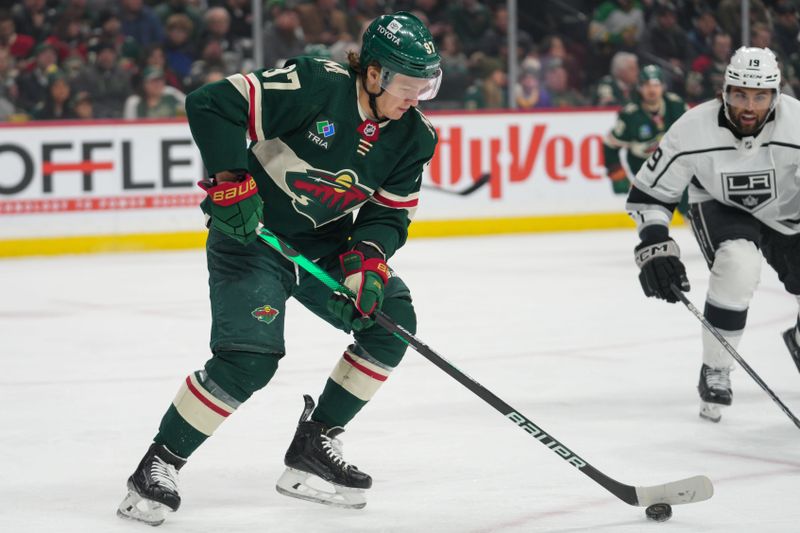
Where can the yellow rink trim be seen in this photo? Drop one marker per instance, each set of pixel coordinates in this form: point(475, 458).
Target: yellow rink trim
point(420, 229)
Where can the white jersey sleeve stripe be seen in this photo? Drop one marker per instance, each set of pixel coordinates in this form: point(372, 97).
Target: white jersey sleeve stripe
point(249, 87)
point(255, 128)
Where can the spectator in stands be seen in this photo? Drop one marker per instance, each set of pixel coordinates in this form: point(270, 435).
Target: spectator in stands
point(323, 22)
point(82, 106)
point(106, 82)
point(729, 15)
point(33, 84)
point(707, 73)
point(557, 85)
point(457, 80)
point(211, 59)
point(786, 28)
point(18, 45)
point(666, 40)
point(109, 31)
point(156, 99)
point(617, 87)
point(470, 19)
point(34, 18)
point(528, 93)
point(218, 28)
point(495, 40)
point(553, 47)
point(70, 37)
point(140, 22)
point(56, 104)
point(283, 36)
point(704, 26)
point(154, 56)
point(241, 20)
point(618, 24)
point(184, 7)
point(489, 91)
point(8, 85)
point(178, 46)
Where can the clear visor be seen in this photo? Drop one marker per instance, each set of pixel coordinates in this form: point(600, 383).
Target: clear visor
point(409, 87)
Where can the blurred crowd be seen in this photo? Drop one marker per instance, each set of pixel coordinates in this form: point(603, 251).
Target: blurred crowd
point(83, 59)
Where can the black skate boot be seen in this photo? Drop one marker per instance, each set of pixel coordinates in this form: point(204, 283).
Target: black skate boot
point(314, 463)
point(153, 487)
point(715, 390)
point(791, 343)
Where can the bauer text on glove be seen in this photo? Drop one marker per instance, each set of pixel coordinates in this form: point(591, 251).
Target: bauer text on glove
point(234, 207)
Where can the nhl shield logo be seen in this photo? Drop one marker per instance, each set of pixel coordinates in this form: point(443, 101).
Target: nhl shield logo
point(749, 190)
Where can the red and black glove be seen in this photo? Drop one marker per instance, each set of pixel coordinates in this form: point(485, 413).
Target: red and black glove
point(365, 273)
point(234, 207)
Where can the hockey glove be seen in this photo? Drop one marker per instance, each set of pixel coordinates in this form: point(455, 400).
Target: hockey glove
point(366, 274)
point(233, 207)
point(619, 179)
point(660, 266)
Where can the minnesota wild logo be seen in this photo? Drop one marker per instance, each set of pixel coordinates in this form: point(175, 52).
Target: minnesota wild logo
point(265, 313)
point(322, 196)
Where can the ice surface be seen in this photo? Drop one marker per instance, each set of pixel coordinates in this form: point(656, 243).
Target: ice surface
point(93, 349)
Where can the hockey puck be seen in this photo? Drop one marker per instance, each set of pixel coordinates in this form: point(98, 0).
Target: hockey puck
point(659, 512)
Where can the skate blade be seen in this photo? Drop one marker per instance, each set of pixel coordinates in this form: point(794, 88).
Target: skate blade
point(305, 486)
point(134, 507)
point(710, 411)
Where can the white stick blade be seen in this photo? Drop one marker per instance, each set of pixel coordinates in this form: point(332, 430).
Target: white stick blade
point(689, 490)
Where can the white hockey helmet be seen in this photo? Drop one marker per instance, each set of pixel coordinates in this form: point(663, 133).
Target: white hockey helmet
point(754, 68)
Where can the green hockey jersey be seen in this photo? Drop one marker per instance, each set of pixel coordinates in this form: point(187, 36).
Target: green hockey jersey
point(314, 154)
point(640, 131)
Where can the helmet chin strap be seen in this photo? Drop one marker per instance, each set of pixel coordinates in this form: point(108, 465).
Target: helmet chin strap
point(373, 99)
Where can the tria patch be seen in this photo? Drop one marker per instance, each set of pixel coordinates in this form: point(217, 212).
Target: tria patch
point(265, 313)
point(325, 128)
point(369, 130)
point(321, 132)
point(322, 196)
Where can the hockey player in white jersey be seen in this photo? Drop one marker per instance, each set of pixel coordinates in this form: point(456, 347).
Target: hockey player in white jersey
point(740, 156)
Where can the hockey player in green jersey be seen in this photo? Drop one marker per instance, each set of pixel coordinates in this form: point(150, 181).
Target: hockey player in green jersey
point(325, 139)
point(640, 126)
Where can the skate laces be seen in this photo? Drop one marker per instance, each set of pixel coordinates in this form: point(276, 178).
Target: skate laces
point(718, 378)
point(164, 474)
point(333, 447)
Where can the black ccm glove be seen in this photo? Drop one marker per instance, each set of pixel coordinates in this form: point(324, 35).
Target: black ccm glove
point(660, 266)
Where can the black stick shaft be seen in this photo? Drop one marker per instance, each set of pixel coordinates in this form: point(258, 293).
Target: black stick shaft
point(624, 492)
point(730, 349)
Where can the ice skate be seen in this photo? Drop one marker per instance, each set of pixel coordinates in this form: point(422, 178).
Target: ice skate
point(791, 343)
point(153, 487)
point(715, 390)
point(315, 469)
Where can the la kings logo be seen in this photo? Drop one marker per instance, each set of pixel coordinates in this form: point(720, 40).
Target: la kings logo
point(749, 190)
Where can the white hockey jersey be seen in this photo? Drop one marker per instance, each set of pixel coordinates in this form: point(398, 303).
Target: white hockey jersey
point(759, 175)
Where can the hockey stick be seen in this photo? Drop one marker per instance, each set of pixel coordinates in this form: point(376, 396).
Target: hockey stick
point(730, 349)
point(693, 489)
point(477, 184)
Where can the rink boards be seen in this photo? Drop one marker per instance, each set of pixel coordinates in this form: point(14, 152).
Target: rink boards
point(121, 185)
